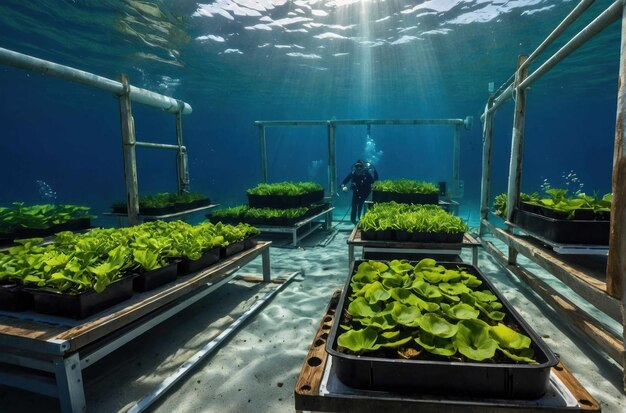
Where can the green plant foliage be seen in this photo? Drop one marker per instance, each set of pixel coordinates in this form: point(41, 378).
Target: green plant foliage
point(556, 199)
point(437, 326)
point(19, 216)
point(402, 303)
point(75, 263)
point(405, 186)
point(411, 218)
point(473, 340)
point(285, 188)
point(164, 200)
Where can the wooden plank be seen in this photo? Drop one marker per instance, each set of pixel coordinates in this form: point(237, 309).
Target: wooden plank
point(586, 286)
point(517, 138)
point(585, 399)
point(606, 340)
point(308, 383)
point(140, 305)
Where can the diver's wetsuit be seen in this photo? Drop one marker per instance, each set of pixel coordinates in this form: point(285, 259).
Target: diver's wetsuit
point(361, 187)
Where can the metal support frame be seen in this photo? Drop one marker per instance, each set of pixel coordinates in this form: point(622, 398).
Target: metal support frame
point(52, 356)
point(297, 236)
point(331, 125)
point(596, 292)
point(127, 93)
point(485, 184)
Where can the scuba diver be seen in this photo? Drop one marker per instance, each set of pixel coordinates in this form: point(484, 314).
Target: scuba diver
point(363, 174)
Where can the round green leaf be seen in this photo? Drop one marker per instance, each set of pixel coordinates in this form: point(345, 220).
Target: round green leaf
point(437, 326)
point(462, 311)
point(509, 338)
point(362, 308)
point(358, 340)
point(453, 289)
point(437, 345)
point(473, 340)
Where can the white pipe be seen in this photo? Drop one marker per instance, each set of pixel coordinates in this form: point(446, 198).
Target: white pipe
point(139, 95)
point(611, 14)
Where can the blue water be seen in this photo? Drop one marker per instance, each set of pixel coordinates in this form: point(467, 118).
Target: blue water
point(237, 61)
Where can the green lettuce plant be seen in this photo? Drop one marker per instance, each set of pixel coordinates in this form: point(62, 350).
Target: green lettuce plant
point(285, 188)
point(411, 218)
point(74, 263)
point(427, 307)
point(405, 186)
point(19, 216)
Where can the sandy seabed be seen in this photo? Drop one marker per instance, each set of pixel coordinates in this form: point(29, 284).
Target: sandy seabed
point(255, 370)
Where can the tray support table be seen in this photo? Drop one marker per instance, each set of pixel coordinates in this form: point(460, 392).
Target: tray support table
point(64, 347)
point(307, 225)
point(355, 240)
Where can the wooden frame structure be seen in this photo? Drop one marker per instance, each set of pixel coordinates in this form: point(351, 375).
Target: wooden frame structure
point(319, 390)
point(609, 296)
point(331, 125)
point(126, 93)
point(33, 345)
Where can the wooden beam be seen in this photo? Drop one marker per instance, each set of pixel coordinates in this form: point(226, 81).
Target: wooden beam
point(606, 340)
point(486, 169)
point(517, 138)
point(586, 286)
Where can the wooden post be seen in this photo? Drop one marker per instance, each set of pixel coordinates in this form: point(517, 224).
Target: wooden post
point(616, 267)
point(517, 144)
point(456, 161)
point(263, 150)
point(486, 170)
point(182, 164)
point(130, 159)
point(332, 161)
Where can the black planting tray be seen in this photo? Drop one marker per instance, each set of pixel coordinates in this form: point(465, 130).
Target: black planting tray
point(79, 306)
point(150, 280)
point(210, 257)
point(510, 381)
point(564, 231)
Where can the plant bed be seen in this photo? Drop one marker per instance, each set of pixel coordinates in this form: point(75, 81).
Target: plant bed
point(164, 203)
point(564, 231)
point(149, 280)
point(416, 338)
point(187, 266)
point(14, 298)
point(284, 195)
point(417, 223)
point(250, 242)
point(231, 249)
point(405, 191)
point(81, 305)
point(380, 196)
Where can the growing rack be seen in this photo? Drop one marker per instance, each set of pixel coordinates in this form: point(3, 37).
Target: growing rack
point(331, 126)
point(577, 273)
point(126, 93)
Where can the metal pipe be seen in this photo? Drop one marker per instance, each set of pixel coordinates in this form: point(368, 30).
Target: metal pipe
point(139, 95)
point(207, 350)
point(567, 22)
point(337, 122)
point(151, 145)
point(263, 150)
point(611, 14)
point(130, 156)
point(499, 101)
